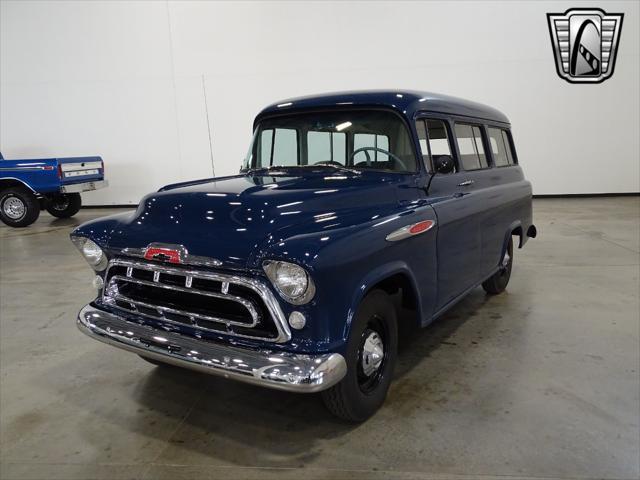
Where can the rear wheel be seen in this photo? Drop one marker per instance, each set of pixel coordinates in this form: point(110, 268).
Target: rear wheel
point(19, 207)
point(64, 205)
point(371, 356)
point(499, 280)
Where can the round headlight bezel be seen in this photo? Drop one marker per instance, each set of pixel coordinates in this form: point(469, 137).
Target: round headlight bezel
point(92, 252)
point(278, 270)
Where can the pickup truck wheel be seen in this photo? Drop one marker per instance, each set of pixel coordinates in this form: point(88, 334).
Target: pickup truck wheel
point(64, 205)
point(371, 356)
point(19, 207)
point(499, 280)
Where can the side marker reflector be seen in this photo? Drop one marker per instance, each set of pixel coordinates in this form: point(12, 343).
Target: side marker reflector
point(410, 230)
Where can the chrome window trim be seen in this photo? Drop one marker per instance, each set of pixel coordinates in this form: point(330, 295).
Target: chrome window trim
point(267, 296)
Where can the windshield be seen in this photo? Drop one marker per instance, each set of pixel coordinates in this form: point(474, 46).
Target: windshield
point(362, 139)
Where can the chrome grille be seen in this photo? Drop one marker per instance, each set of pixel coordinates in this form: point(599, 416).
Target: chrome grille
point(209, 301)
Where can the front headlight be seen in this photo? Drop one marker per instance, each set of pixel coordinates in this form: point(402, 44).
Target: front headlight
point(91, 252)
point(291, 280)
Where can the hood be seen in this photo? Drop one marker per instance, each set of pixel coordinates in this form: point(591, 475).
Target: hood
point(233, 219)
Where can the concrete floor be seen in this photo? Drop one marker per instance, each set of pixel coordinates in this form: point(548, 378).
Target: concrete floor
point(540, 382)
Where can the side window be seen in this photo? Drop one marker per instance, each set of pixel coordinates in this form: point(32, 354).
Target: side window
point(326, 147)
point(469, 138)
point(361, 140)
point(507, 147)
point(500, 147)
point(278, 147)
point(433, 138)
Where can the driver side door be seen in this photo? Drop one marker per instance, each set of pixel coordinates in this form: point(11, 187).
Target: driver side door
point(458, 238)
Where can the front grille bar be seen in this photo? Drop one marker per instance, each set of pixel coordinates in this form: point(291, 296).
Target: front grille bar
point(112, 297)
point(156, 283)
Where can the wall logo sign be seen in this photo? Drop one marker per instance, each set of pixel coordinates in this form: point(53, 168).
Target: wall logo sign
point(585, 43)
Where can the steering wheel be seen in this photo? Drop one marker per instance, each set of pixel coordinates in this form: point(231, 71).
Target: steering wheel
point(376, 149)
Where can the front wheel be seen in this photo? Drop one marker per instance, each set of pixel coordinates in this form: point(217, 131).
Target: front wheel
point(64, 205)
point(499, 280)
point(371, 357)
point(19, 207)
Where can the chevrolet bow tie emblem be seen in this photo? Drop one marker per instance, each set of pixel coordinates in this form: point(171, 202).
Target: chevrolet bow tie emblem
point(169, 253)
point(163, 255)
point(585, 43)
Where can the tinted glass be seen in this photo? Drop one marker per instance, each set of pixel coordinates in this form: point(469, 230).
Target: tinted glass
point(469, 138)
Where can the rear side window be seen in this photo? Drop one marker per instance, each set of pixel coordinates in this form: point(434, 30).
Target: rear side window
point(434, 140)
point(500, 147)
point(469, 138)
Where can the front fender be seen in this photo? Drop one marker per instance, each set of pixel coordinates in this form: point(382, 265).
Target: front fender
point(348, 261)
point(375, 277)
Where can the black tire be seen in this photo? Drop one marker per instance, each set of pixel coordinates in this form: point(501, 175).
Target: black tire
point(153, 361)
point(358, 395)
point(499, 280)
point(64, 205)
point(19, 207)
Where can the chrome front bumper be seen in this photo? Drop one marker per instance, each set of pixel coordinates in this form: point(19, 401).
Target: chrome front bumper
point(269, 368)
point(84, 187)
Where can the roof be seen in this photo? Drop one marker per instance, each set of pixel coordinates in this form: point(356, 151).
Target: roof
point(406, 102)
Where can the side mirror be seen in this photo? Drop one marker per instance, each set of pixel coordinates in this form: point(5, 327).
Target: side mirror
point(443, 163)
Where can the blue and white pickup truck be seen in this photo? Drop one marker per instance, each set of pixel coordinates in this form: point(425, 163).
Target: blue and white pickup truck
point(27, 186)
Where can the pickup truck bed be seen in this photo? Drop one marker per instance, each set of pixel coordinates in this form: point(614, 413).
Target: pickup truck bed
point(54, 184)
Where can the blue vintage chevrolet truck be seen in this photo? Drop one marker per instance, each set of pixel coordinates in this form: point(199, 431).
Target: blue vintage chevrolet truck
point(291, 275)
point(27, 186)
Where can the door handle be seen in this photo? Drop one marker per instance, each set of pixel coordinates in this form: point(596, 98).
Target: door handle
point(466, 183)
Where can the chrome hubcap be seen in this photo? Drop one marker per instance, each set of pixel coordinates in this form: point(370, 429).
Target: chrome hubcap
point(506, 260)
point(13, 208)
point(372, 354)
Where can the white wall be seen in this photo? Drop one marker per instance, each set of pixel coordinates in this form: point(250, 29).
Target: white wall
point(127, 80)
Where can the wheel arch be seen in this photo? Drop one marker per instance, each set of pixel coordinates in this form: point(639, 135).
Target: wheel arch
point(514, 230)
point(392, 278)
point(8, 182)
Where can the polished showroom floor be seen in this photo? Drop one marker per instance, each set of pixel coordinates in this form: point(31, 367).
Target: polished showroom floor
point(540, 382)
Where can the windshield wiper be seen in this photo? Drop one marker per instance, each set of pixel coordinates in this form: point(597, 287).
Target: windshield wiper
point(284, 168)
point(337, 168)
point(272, 168)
